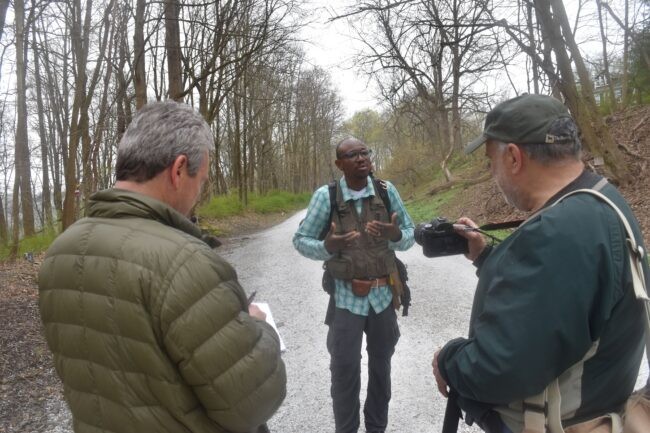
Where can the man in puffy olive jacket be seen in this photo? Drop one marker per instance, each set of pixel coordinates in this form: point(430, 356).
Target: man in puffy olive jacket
point(149, 327)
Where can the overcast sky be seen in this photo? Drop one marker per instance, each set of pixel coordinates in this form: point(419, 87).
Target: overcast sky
point(331, 46)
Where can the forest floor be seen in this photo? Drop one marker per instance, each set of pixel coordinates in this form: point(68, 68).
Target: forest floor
point(27, 376)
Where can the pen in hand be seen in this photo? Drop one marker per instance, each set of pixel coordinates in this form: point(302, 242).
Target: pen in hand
point(251, 297)
point(254, 310)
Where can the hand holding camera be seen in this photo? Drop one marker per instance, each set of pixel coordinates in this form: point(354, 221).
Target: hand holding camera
point(475, 240)
point(441, 237)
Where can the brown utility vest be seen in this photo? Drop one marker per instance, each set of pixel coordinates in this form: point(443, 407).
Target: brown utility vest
point(370, 256)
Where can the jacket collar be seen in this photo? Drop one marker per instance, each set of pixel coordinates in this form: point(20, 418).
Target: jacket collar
point(345, 190)
point(120, 203)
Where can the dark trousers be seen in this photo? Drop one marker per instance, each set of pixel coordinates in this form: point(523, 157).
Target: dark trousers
point(344, 345)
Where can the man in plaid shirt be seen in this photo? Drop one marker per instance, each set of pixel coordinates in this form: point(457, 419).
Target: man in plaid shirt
point(358, 251)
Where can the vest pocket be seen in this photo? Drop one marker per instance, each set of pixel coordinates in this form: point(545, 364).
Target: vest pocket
point(340, 268)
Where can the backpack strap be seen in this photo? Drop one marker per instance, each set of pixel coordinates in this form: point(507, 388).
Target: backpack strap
point(331, 187)
point(542, 412)
point(381, 189)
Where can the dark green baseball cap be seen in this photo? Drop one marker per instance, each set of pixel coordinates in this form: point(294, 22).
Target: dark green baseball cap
point(525, 119)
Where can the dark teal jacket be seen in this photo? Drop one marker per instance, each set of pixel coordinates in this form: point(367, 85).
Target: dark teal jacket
point(149, 326)
point(557, 287)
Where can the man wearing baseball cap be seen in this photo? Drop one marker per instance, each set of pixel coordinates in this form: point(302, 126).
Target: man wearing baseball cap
point(555, 315)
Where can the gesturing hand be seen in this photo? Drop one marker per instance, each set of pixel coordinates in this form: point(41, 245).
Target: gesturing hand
point(387, 231)
point(334, 242)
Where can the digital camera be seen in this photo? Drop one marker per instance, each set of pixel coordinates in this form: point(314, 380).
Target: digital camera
point(438, 238)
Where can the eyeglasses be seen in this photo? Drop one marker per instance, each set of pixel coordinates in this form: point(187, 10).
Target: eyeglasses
point(353, 154)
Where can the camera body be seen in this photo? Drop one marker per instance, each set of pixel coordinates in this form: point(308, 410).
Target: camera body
point(438, 238)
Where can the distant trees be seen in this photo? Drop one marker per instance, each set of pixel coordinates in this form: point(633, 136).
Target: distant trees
point(81, 68)
point(441, 61)
point(425, 54)
point(74, 72)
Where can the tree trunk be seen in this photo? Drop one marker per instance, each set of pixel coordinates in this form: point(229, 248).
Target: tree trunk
point(57, 128)
point(608, 76)
point(4, 236)
point(455, 142)
point(15, 220)
point(444, 165)
point(595, 135)
point(80, 46)
point(84, 90)
point(4, 5)
point(625, 80)
point(628, 31)
point(531, 40)
point(45, 194)
point(23, 166)
point(139, 77)
point(173, 43)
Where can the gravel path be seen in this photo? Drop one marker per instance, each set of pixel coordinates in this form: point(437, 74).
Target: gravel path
point(442, 291)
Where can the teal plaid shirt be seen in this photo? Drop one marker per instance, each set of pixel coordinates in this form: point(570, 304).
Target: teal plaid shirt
point(306, 242)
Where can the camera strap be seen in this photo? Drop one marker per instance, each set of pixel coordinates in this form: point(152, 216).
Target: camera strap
point(504, 225)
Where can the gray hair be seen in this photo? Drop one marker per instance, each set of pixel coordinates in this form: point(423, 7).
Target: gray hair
point(158, 134)
point(567, 145)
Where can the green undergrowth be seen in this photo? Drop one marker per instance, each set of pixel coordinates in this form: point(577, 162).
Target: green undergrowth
point(260, 210)
point(421, 205)
point(424, 208)
point(226, 215)
point(278, 201)
point(32, 244)
point(272, 202)
point(221, 206)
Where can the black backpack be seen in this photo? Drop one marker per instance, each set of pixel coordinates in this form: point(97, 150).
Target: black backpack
point(328, 280)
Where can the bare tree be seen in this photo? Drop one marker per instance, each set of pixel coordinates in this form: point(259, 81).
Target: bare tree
point(4, 238)
point(46, 197)
point(56, 99)
point(596, 137)
point(139, 70)
point(606, 71)
point(237, 59)
point(83, 93)
point(23, 165)
point(4, 5)
point(433, 51)
point(173, 45)
point(629, 35)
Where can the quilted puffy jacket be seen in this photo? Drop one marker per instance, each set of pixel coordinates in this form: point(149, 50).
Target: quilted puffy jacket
point(149, 326)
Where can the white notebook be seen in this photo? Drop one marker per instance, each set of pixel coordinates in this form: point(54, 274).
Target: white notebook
point(264, 306)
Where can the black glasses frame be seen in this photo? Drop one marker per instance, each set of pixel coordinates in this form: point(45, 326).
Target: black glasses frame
point(353, 154)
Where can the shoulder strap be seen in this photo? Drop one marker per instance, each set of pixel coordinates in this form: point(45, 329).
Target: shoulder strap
point(331, 187)
point(381, 189)
point(635, 250)
point(542, 411)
